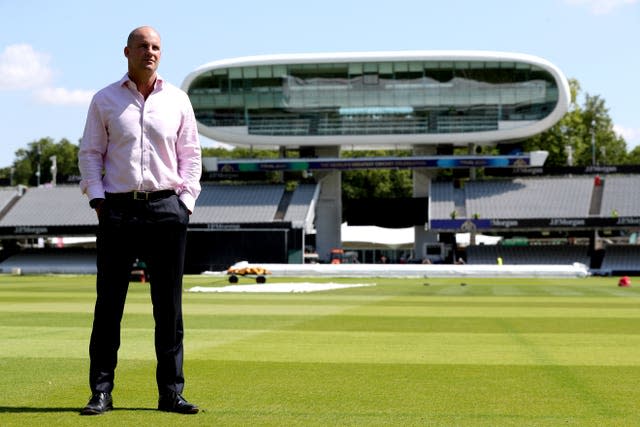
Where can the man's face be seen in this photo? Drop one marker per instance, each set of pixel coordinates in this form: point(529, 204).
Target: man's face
point(143, 52)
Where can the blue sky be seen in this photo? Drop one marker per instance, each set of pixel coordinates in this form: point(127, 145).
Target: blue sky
point(55, 55)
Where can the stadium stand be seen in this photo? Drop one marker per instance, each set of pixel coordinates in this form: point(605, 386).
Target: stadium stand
point(49, 206)
point(301, 209)
point(42, 208)
point(67, 206)
point(546, 197)
point(56, 261)
point(38, 214)
point(530, 198)
point(621, 259)
point(25, 212)
point(237, 203)
point(621, 196)
point(8, 196)
point(522, 255)
point(442, 200)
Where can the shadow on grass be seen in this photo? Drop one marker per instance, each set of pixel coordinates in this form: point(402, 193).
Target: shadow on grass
point(30, 409)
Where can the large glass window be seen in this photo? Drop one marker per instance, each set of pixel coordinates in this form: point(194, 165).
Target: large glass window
point(387, 97)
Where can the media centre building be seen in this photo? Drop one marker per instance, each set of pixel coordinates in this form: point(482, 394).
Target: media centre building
point(417, 100)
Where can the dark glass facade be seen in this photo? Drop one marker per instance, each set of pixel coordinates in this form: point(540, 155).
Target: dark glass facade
point(374, 98)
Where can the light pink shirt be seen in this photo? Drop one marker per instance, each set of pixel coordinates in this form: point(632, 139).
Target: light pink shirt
point(130, 143)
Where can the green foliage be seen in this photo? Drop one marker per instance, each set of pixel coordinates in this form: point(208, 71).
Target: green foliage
point(248, 153)
point(376, 183)
point(40, 153)
point(634, 156)
point(579, 131)
point(238, 153)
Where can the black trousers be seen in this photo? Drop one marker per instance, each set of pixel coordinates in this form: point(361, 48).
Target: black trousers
point(153, 231)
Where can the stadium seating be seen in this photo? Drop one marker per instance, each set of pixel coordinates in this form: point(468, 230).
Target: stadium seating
point(301, 209)
point(58, 261)
point(442, 201)
point(621, 195)
point(522, 255)
point(256, 203)
point(620, 259)
point(49, 206)
point(529, 198)
point(7, 197)
point(237, 203)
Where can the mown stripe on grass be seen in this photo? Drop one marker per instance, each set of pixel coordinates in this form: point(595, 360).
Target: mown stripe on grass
point(353, 347)
point(347, 323)
point(415, 348)
point(525, 302)
point(372, 394)
point(267, 393)
point(503, 311)
point(447, 324)
point(580, 310)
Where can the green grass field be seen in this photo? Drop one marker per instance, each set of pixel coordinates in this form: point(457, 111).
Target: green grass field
point(406, 352)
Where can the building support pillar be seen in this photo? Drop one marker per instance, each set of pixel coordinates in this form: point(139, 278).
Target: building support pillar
point(328, 207)
point(421, 188)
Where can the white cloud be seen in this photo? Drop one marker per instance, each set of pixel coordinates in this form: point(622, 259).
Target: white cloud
point(24, 68)
point(631, 135)
point(62, 96)
point(601, 7)
point(21, 67)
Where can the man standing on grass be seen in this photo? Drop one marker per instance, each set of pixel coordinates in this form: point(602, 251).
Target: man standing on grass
point(140, 164)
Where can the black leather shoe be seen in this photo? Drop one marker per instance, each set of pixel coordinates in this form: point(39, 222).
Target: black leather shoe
point(176, 403)
point(98, 404)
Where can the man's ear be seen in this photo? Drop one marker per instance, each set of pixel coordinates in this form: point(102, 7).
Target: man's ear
point(126, 51)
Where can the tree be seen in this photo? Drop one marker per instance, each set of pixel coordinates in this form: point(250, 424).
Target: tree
point(634, 156)
point(376, 183)
point(584, 136)
point(33, 165)
point(605, 147)
point(238, 153)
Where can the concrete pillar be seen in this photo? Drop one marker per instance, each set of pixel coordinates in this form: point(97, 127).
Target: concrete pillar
point(472, 151)
point(329, 207)
point(421, 187)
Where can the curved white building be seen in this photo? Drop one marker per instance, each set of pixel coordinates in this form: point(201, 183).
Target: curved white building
point(377, 99)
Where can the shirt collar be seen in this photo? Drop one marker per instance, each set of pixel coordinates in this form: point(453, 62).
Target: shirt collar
point(126, 81)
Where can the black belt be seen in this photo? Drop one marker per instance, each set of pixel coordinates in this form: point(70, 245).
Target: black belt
point(141, 195)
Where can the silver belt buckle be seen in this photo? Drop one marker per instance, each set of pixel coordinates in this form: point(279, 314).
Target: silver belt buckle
point(140, 195)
